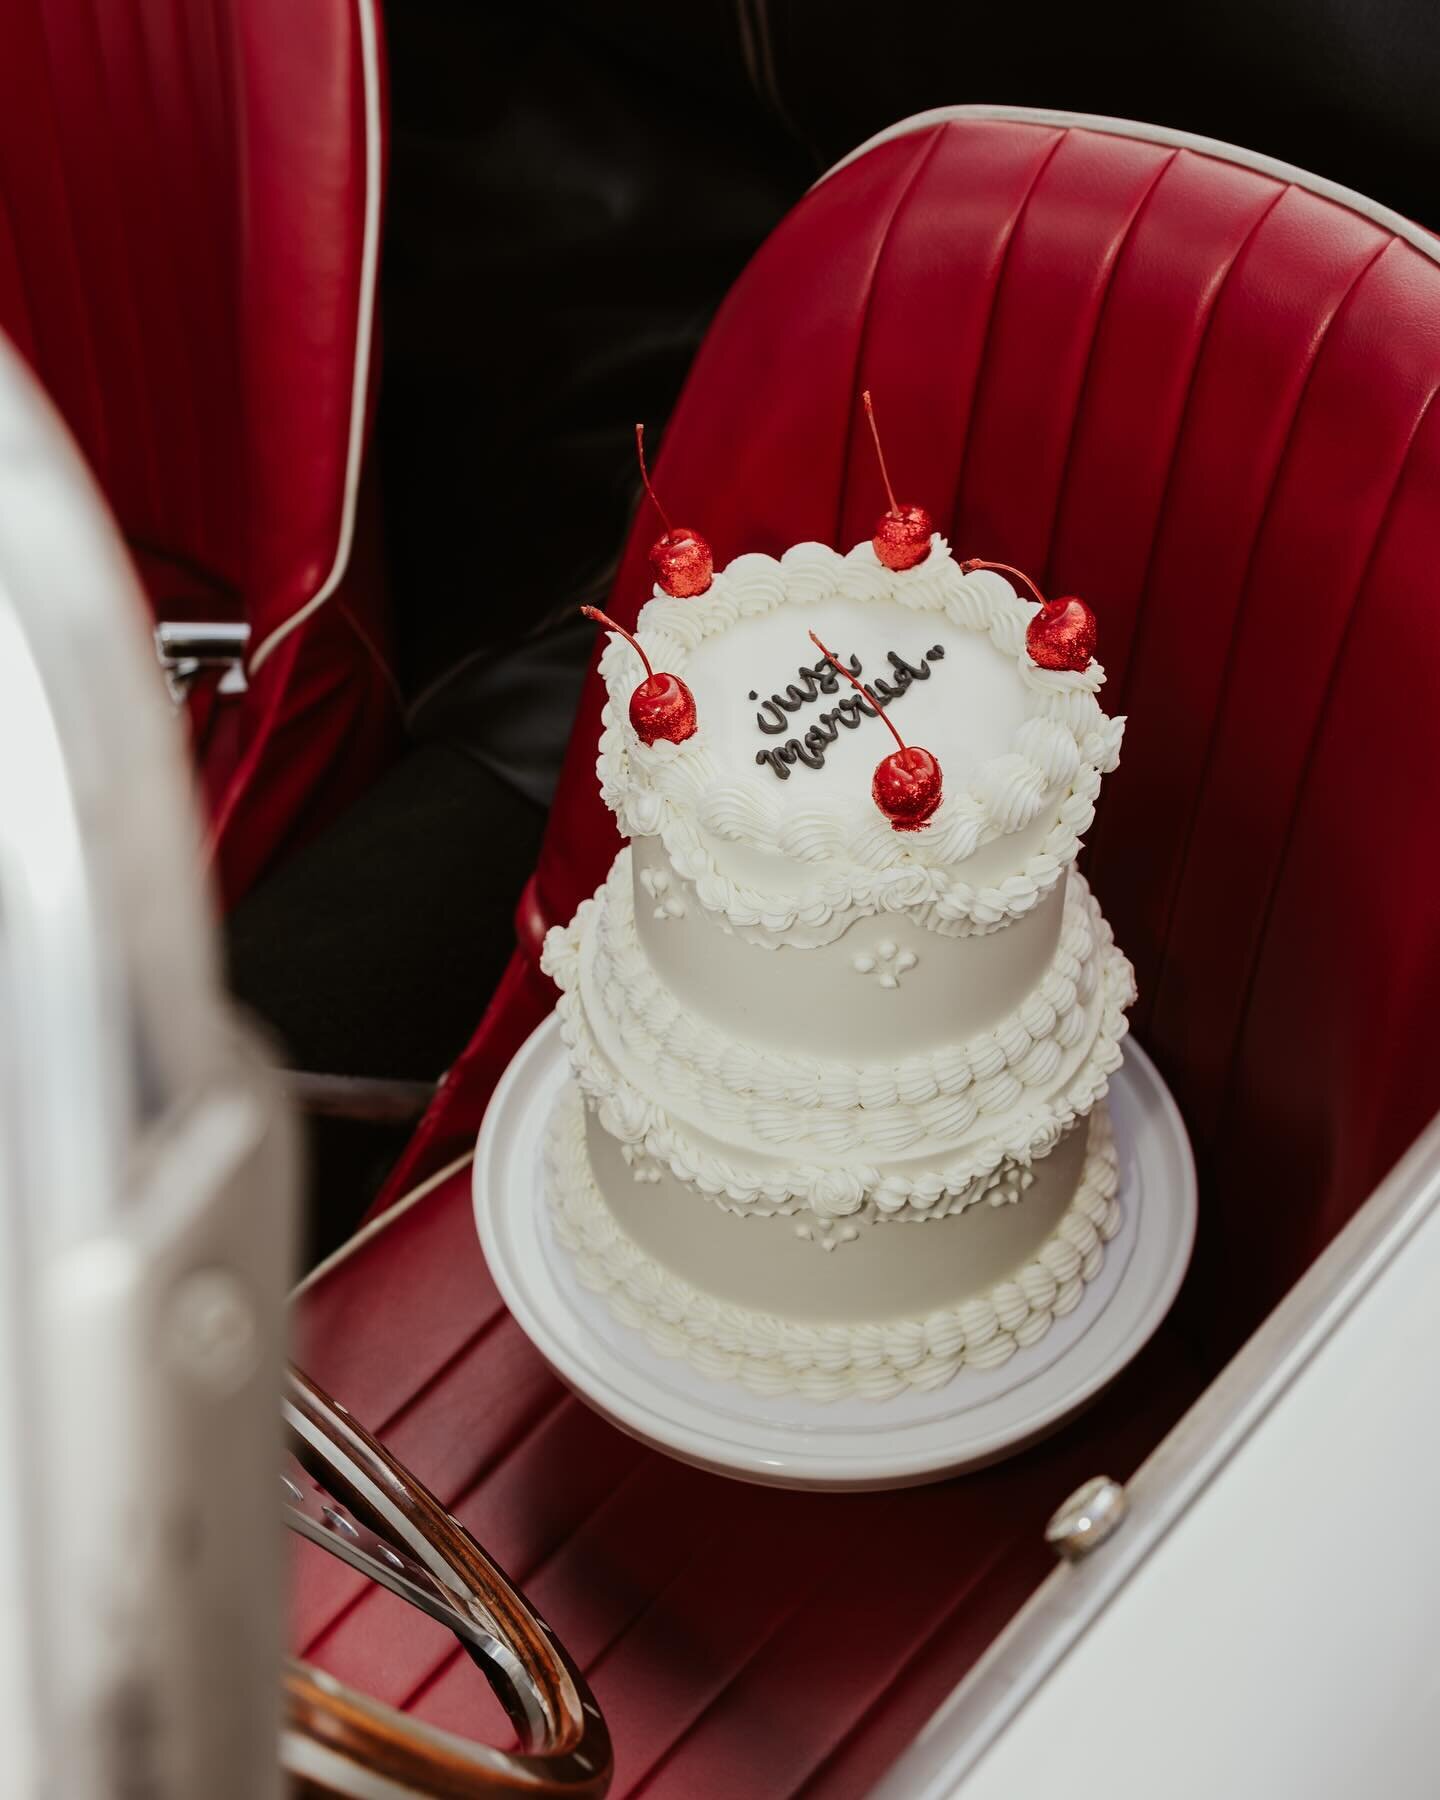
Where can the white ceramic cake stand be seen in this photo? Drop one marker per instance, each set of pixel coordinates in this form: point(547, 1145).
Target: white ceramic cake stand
point(852, 1444)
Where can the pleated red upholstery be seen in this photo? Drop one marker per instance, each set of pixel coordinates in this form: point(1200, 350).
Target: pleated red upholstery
point(182, 229)
point(1200, 396)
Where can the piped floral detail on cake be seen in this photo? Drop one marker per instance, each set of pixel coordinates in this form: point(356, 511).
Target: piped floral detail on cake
point(640, 1163)
point(829, 1236)
point(661, 889)
point(1007, 1185)
point(887, 963)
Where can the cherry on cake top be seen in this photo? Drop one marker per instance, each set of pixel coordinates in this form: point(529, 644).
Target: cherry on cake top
point(662, 707)
point(1061, 635)
point(682, 560)
point(902, 533)
point(908, 784)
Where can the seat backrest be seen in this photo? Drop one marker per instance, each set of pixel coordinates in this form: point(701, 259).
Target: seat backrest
point(189, 216)
point(1195, 388)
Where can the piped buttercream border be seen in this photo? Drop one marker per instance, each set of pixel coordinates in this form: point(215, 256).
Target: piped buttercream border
point(975, 1141)
point(771, 1355)
point(848, 859)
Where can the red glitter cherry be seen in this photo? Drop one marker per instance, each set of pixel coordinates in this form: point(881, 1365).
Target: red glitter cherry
point(682, 560)
point(902, 535)
point(907, 788)
point(1061, 635)
point(907, 783)
point(662, 706)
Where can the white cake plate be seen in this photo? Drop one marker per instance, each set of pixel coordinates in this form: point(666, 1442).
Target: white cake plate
point(849, 1444)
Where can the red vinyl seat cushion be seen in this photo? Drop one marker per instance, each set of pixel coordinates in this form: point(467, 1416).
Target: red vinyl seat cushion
point(1199, 395)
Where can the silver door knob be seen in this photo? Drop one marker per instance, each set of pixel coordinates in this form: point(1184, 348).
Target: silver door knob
point(1087, 1518)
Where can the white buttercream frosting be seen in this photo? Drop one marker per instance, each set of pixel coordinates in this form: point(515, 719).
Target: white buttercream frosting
point(795, 1031)
point(1023, 748)
point(757, 1128)
point(770, 1354)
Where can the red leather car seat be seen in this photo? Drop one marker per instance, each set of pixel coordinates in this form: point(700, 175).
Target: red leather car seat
point(189, 232)
point(1195, 388)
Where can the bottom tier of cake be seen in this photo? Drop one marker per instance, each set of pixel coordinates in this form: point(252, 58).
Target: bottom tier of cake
point(906, 1305)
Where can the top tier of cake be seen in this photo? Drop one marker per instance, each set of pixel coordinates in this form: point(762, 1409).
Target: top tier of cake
point(766, 811)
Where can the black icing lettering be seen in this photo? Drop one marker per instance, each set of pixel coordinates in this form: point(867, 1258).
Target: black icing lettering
point(854, 709)
point(849, 709)
point(816, 680)
point(794, 751)
point(794, 698)
point(819, 739)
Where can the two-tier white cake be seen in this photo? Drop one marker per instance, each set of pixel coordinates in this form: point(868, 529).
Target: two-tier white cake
point(837, 1123)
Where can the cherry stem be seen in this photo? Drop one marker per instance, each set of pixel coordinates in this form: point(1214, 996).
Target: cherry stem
point(979, 562)
point(840, 668)
point(880, 454)
point(645, 477)
point(594, 612)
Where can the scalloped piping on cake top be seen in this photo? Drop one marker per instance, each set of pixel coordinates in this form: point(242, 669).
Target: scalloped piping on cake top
point(783, 1099)
point(771, 1355)
point(674, 791)
point(640, 1121)
point(933, 898)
